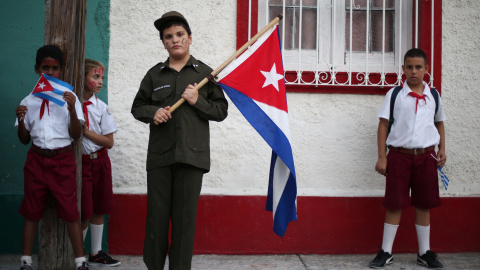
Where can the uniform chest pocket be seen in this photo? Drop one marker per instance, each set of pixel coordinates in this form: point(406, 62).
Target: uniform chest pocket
point(58, 113)
point(161, 93)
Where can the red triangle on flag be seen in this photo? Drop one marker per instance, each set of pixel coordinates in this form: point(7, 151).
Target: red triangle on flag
point(260, 76)
point(42, 85)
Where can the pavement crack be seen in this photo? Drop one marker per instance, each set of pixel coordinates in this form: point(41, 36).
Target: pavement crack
point(301, 259)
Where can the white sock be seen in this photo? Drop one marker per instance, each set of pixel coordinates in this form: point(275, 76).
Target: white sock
point(80, 260)
point(85, 233)
point(389, 232)
point(423, 236)
point(96, 232)
point(27, 259)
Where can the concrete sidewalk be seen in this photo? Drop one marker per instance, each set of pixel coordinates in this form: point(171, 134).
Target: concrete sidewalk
point(282, 262)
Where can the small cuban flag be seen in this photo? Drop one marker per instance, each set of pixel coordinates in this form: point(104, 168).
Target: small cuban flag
point(51, 89)
point(443, 177)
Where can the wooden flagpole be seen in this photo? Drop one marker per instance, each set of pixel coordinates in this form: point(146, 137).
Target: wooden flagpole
point(229, 60)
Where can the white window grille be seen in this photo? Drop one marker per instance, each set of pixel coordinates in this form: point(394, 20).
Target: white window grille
point(356, 38)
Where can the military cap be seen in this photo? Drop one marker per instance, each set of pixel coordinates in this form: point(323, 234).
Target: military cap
point(170, 16)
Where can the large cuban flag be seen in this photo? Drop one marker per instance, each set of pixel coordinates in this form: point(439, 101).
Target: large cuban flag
point(254, 82)
point(51, 89)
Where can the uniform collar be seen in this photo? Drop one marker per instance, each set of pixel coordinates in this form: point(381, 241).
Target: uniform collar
point(192, 62)
point(93, 99)
point(426, 90)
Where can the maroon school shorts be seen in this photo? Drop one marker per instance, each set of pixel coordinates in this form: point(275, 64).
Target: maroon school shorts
point(416, 173)
point(97, 194)
point(50, 175)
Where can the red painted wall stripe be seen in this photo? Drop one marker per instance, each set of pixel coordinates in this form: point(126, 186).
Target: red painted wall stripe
point(325, 225)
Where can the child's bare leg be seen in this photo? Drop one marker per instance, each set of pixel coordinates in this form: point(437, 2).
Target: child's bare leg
point(392, 216)
point(422, 216)
point(76, 237)
point(28, 236)
point(84, 224)
point(97, 219)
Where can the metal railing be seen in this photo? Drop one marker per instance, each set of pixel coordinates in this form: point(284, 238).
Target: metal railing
point(310, 67)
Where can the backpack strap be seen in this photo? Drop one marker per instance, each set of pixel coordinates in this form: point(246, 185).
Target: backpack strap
point(435, 97)
point(395, 92)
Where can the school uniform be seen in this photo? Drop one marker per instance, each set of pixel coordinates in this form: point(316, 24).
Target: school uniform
point(411, 159)
point(97, 194)
point(50, 165)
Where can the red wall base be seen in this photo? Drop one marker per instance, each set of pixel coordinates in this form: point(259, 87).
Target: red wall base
point(325, 225)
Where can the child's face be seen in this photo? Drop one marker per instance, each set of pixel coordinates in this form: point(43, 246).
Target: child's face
point(50, 67)
point(414, 69)
point(94, 80)
point(177, 41)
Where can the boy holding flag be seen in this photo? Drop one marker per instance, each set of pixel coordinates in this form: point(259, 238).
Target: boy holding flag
point(50, 167)
point(179, 144)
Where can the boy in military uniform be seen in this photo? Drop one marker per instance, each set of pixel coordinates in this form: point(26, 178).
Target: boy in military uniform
point(179, 143)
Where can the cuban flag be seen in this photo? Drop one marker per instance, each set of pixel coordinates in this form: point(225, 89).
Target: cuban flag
point(51, 89)
point(255, 84)
point(444, 177)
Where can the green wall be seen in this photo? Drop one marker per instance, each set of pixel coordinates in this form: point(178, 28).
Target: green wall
point(22, 29)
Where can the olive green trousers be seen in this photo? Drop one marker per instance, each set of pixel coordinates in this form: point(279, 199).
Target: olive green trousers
point(173, 193)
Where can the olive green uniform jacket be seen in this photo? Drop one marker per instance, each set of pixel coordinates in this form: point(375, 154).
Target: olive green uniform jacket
point(185, 138)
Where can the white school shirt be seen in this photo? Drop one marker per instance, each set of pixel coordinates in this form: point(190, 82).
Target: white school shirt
point(413, 130)
point(100, 121)
point(50, 132)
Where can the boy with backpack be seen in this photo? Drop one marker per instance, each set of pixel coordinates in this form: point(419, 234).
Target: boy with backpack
point(417, 128)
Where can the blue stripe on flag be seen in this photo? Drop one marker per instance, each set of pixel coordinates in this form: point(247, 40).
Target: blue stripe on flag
point(269, 131)
point(58, 84)
point(46, 96)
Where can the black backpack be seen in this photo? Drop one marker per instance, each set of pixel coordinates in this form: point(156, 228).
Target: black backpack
point(395, 92)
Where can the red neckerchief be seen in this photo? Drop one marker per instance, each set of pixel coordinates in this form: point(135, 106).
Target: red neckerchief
point(85, 112)
point(417, 97)
point(42, 109)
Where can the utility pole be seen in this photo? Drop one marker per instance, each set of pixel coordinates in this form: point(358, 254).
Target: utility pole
point(65, 26)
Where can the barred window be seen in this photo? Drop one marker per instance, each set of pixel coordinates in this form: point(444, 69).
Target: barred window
point(346, 42)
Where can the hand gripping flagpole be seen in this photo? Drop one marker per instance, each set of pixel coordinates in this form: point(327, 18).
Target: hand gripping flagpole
point(230, 59)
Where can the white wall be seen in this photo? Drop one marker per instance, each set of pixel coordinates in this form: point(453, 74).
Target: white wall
point(333, 135)
point(461, 94)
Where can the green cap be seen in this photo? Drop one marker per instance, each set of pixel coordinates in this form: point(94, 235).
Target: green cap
point(169, 16)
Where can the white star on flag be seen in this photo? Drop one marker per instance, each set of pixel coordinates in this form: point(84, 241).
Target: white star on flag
point(41, 85)
point(272, 77)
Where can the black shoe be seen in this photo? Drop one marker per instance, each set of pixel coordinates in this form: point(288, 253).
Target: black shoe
point(102, 259)
point(383, 258)
point(83, 266)
point(26, 266)
point(430, 260)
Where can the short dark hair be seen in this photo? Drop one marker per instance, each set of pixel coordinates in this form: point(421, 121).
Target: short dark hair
point(52, 51)
point(415, 52)
point(174, 23)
